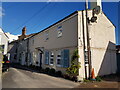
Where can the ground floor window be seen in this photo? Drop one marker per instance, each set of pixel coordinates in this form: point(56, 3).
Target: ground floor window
point(63, 58)
point(59, 58)
point(51, 58)
point(46, 57)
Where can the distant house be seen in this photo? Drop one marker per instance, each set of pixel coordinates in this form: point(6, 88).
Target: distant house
point(54, 46)
point(3, 41)
point(18, 46)
point(11, 37)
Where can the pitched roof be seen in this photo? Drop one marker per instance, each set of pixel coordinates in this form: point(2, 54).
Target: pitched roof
point(2, 31)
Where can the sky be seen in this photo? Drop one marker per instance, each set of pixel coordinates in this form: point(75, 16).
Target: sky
point(36, 16)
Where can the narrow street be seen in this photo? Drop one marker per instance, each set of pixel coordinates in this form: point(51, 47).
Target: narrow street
point(18, 78)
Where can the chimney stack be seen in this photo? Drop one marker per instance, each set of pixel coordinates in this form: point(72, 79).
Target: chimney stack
point(95, 3)
point(24, 31)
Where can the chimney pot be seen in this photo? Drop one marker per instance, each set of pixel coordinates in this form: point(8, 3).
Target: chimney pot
point(24, 31)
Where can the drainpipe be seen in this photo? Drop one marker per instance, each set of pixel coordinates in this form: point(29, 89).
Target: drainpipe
point(27, 51)
point(88, 41)
point(84, 44)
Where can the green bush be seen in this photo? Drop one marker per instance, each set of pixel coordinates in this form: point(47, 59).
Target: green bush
point(52, 71)
point(74, 78)
point(58, 73)
point(75, 65)
point(33, 66)
point(98, 79)
point(30, 66)
point(66, 76)
point(37, 67)
point(86, 80)
point(47, 70)
point(42, 70)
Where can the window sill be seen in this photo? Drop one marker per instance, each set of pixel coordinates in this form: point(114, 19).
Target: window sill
point(59, 66)
point(51, 64)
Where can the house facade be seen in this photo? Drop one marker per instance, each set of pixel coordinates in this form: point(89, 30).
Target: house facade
point(18, 48)
point(118, 58)
point(54, 46)
point(3, 42)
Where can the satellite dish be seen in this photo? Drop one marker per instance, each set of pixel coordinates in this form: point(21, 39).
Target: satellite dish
point(93, 19)
point(96, 10)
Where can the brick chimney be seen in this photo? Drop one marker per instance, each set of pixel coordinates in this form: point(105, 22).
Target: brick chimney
point(24, 31)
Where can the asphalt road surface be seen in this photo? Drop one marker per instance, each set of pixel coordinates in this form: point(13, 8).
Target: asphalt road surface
point(18, 78)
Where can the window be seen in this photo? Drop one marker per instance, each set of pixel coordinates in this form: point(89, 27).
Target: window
point(33, 41)
point(2, 48)
point(51, 58)
point(59, 31)
point(59, 59)
point(63, 58)
point(46, 36)
point(46, 57)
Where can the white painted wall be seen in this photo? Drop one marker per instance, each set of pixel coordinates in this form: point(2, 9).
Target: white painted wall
point(4, 41)
point(102, 43)
point(11, 37)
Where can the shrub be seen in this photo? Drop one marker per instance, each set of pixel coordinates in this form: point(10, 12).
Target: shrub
point(47, 70)
point(52, 71)
point(37, 67)
point(58, 73)
point(74, 78)
point(42, 70)
point(30, 65)
point(33, 66)
point(86, 80)
point(66, 76)
point(75, 65)
point(98, 79)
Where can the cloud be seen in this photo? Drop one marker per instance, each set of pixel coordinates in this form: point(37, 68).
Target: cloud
point(2, 12)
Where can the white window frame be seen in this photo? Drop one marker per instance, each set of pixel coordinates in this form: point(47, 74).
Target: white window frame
point(51, 53)
point(59, 53)
point(59, 31)
point(46, 36)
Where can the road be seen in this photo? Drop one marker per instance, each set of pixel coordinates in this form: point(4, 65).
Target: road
point(18, 78)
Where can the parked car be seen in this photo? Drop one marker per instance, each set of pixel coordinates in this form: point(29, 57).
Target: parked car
point(5, 63)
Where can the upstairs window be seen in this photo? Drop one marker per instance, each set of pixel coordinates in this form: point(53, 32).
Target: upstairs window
point(59, 31)
point(46, 35)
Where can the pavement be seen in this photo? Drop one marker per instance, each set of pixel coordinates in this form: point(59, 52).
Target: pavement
point(108, 82)
point(18, 78)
